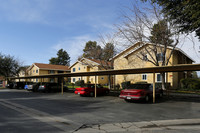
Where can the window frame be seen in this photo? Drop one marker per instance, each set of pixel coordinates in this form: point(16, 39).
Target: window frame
point(144, 75)
point(157, 77)
point(74, 69)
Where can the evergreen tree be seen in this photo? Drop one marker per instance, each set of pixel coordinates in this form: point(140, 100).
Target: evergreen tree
point(160, 34)
point(108, 51)
point(184, 13)
point(92, 50)
point(62, 58)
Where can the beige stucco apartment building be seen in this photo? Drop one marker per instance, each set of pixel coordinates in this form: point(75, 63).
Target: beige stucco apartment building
point(89, 65)
point(44, 69)
point(128, 59)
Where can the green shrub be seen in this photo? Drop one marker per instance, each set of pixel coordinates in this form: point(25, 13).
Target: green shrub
point(126, 84)
point(190, 84)
point(80, 83)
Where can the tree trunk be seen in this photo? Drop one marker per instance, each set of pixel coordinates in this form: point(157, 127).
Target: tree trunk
point(163, 81)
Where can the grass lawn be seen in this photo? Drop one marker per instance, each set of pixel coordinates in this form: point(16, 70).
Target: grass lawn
point(186, 91)
point(72, 87)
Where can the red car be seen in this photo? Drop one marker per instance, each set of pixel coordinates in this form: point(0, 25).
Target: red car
point(89, 90)
point(140, 92)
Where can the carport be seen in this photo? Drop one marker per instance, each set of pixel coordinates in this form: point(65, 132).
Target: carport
point(154, 70)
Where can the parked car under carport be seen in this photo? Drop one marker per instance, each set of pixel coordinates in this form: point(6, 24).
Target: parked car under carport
point(139, 92)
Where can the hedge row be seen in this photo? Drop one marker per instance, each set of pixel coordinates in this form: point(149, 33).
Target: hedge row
point(190, 84)
point(127, 84)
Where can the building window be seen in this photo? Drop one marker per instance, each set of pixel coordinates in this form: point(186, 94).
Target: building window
point(159, 78)
point(79, 78)
point(52, 80)
point(79, 68)
point(33, 71)
point(36, 80)
point(51, 71)
point(144, 76)
point(74, 80)
point(36, 71)
point(74, 69)
point(160, 56)
point(102, 78)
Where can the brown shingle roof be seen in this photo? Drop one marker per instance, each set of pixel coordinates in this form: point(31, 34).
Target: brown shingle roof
point(52, 67)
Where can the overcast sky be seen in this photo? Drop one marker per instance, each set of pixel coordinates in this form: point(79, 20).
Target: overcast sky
point(34, 30)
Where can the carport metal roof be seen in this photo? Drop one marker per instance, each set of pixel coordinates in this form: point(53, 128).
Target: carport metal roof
point(177, 68)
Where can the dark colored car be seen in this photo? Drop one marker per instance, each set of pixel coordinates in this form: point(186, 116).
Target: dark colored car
point(19, 85)
point(89, 90)
point(10, 85)
point(51, 87)
point(140, 92)
point(33, 87)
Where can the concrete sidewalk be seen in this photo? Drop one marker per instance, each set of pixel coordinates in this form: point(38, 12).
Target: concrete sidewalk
point(161, 126)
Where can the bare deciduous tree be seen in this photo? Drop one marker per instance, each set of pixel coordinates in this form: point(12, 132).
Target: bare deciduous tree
point(149, 26)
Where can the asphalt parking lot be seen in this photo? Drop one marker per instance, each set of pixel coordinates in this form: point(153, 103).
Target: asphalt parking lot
point(23, 111)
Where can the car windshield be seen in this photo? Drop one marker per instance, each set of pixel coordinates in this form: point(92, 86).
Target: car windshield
point(139, 86)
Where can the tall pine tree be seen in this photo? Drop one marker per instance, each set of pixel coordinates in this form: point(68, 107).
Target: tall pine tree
point(62, 58)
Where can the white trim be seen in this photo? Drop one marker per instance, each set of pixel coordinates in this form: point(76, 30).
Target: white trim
point(74, 64)
point(124, 50)
point(90, 61)
point(161, 77)
point(133, 50)
point(157, 77)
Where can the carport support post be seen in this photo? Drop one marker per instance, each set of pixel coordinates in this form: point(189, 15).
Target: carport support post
point(41, 81)
point(62, 79)
point(95, 91)
point(154, 90)
point(109, 80)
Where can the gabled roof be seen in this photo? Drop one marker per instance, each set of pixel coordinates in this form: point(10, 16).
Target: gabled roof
point(95, 61)
point(49, 67)
point(143, 44)
point(125, 50)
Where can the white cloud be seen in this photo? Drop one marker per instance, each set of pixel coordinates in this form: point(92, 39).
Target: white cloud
point(191, 45)
point(25, 10)
point(74, 46)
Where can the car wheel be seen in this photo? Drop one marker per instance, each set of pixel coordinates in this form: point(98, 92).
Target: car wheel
point(92, 94)
point(146, 98)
